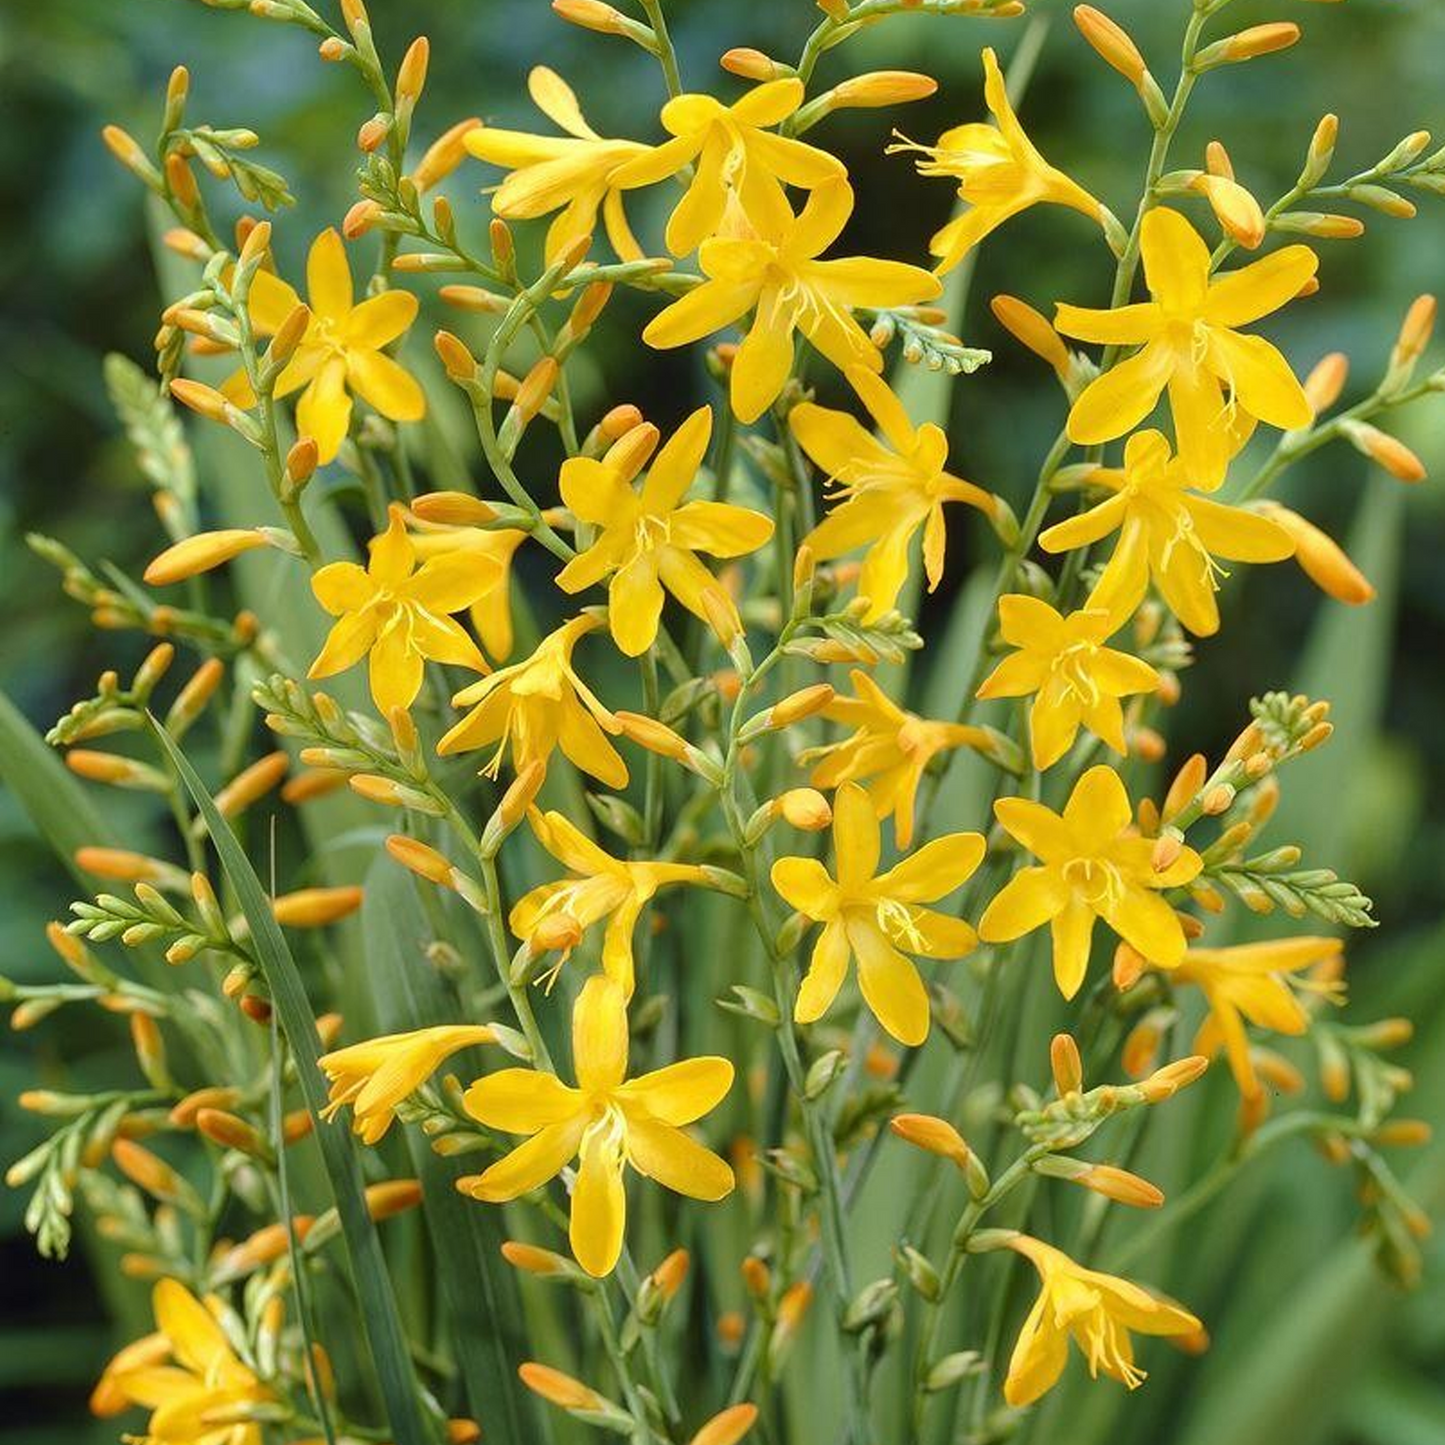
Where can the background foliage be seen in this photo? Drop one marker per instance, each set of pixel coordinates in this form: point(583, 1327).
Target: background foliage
point(1313, 1348)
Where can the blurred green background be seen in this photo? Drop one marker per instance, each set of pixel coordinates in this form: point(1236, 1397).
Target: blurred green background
point(1350, 1359)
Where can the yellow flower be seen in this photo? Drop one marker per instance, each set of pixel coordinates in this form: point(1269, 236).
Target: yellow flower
point(1249, 983)
point(885, 493)
point(733, 155)
point(778, 277)
point(607, 1119)
point(196, 1397)
point(888, 751)
point(1166, 533)
point(556, 915)
point(649, 539)
point(870, 916)
point(341, 350)
point(537, 705)
point(573, 174)
point(1097, 1309)
point(398, 612)
point(1094, 865)
point(1073, 677)
point(491, 613)
point(1189, 345)
point(376, 1075)
point(999, 173)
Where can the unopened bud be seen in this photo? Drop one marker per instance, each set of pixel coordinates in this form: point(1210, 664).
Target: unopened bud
point(252, 784)
point(1111, 42)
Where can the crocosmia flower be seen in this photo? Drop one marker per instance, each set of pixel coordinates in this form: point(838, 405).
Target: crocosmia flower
point(607, 1120)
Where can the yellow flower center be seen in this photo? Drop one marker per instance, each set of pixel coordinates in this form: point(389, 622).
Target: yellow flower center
point(1095, 881)
point(897, 920)
point(1072, 668)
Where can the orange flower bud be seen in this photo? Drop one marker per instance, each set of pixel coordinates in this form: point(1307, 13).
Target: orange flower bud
point(592, 15)
point(231, 1132)
point(459, 362)
point(656, 737)
point(531, 1259)
point(201, 553)
point(805, 809)
point(1121, 1186)
point(424, 861)
point(315, 907)
point(727, 1427)
point(444, 155)
point(1166, 1082)
point(802, 704)
point(1415, 332)
point(883, 87)
point(392, 1196)
point(1321, 558)
point(1325, 383)
point(753, 65)
point(1032, 329)
point(411, 73)
point(252, 784)
point(557, 1388)
point(1067, 1066)
point(1111, 42)
point(937, 1136)
point(1389, 452)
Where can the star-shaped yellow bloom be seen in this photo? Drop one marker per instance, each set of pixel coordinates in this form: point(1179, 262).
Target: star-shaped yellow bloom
point(734, 154)
point(884, 492)
point(777, 276)
point(999, 173)
point(608, 1120)
point(888, 750)
point(398, 613)
point(1097, 1310)
point(1189, 344)
point(537, 705)
point(1093, 865)
point(374, 1076)
point(1167, 533)
point(871, 916)
point(572, 173)
point(341, 351)
point(556, 915)
point(649, 538)
point(189, 1376)
point(1249, 983)
point(1075, 680)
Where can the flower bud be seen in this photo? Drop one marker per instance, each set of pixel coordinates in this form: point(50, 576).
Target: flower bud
point(444, 155)
point(1166, 1082)
point(937, 1136)
point(315, 907)
point(753, 65)
point(559, 1389)
point(1067, 1066)
point(1111, 42)
point(1387, 451)
point(1321, 558)
point(728, 1426)
point(201, 553)
point(805, 809)
point(1030, 328)
point(1324, 384)
point(882, 87)
point(252, 784)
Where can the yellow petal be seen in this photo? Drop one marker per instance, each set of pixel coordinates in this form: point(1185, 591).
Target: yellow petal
point(675, 1161)
point(379, 320)
point(935, 870)
point(1030, 898)
point(634, 605)
point(529, 1165)
point(599, 1034)
point(1176, 261)
point(1119, 399)
point(328, 276)
point(703, 310)
point(396, 668)
point(324, 412)
point(599, 1202)
point(679, 1093)
point(1261, 287)
point(804, 884)
point(1073, 929)
point(826, 971)
point(890, 984)
point(1041, 830)
point(1038, 1358)
point(342, 587)
point(521, 1101)
point(377, 379)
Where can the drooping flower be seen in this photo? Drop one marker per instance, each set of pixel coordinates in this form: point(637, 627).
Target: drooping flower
point(888, 751)
point(1189, 345)
point(572, 173)
point(648, 539)
point(871, 916)
point(885, 492)
point(341, 352)
point(399, 613)
point(1093, 865)
point(999, 173)
point(197, 1386)
point(777, 276)
point(1074, 679)
point(1098, 1310)
point(1249, 983)
point(374, 1076)
point(734, 154)
point(537, 705)
point(1167, 534)
point(609, 1120)
point(556, 915)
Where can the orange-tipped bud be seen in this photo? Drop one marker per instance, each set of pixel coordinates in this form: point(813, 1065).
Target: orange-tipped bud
point(1186, 785)
point(311, 784)
point(411, 73)
point(1249, 44)
point(804, 703)
point(459, 362)
point(1121, 1186)
point(805, 809)
point(1030, 328)
point(1111, 42)
point(194, 555)
point(1237, 212)
point(315, 907)
point(559, 1389)
point(118, 771)
point(793, 1307)
point(757, 1277)
point(120, 864)
point(444, 155)
point(753, 65)
point(183, 1115)
point(391, 1197)
point(656, 737)
point(1415, 332)
point(1166, 1082)
point(1325, 383)
point(883, 87)
point(667, 1278)
point(475, 299)
point(937, 1136)
point(532, 1259)
point(536, 387)
point(592, 15)
point(231, 1132)
point(252, 784)
point(453, 509)
point(1321, 558)
point(1067, 1066)
point(727, 1427)
point(423, 860)
point(1385, 450)
point(146, 1170)
point(127, 150)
